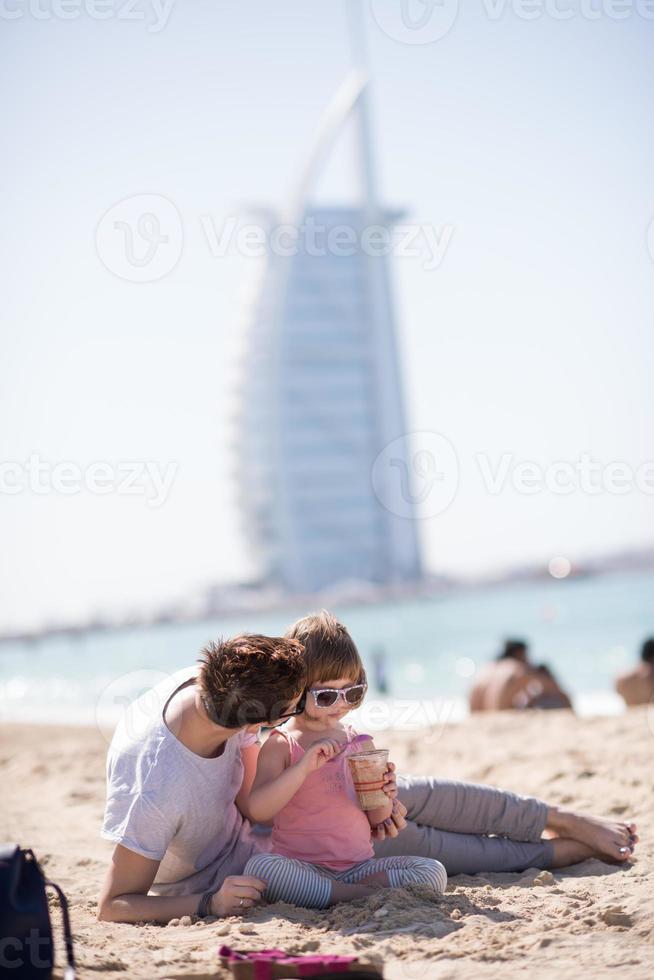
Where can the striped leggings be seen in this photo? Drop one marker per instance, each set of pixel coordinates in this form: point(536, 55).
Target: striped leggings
point(310, 885)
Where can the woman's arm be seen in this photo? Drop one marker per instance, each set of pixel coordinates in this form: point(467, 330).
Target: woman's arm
point(277, 782)
point(124, 896)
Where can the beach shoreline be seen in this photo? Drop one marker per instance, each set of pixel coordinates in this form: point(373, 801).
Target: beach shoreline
point(593, 918)
point(586, 631)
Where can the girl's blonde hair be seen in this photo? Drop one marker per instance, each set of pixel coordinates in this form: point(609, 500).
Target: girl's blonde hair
point(329, 650)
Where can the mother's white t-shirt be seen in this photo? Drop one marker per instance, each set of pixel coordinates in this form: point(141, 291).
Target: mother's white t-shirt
point(171, 805)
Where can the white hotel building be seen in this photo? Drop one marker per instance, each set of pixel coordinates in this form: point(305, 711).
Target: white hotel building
point(321, 395)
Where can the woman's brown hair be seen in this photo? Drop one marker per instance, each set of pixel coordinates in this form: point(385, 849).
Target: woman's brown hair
point(250, 678)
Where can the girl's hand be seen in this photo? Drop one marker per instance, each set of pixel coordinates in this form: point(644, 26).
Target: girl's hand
point(393, 825)
point(390, 782)
point(320, 753)
point(398, 816)
point(236, 894)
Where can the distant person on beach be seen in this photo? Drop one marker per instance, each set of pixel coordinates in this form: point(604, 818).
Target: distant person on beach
point(637, 686)
point(380, 670)
point(511, 682)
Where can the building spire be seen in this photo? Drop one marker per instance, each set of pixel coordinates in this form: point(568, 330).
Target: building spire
point(357, 32)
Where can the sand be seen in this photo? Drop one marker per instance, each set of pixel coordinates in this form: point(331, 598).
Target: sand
point(594, 920)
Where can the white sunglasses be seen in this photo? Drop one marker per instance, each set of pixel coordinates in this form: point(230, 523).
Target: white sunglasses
point(325, 697)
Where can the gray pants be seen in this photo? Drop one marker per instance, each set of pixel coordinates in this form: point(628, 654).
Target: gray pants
point(451, 822)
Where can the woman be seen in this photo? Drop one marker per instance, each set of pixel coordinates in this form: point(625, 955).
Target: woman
point(179, 771)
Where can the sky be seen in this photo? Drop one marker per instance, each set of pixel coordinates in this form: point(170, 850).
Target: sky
point(526, 145)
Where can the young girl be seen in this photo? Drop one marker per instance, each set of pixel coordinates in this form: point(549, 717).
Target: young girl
point(321, 846)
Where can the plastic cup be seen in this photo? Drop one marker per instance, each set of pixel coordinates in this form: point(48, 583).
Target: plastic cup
point(367, 769)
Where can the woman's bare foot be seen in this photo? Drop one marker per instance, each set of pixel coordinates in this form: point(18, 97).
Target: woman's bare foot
point(567, 852)
point(609, 838)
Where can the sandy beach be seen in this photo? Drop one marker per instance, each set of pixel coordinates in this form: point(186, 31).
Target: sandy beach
point(593, 920)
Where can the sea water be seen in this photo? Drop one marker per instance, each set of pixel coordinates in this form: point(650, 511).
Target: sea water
point(585, 629)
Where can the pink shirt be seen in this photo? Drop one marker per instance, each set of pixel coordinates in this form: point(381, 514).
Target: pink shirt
point(323, 823)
